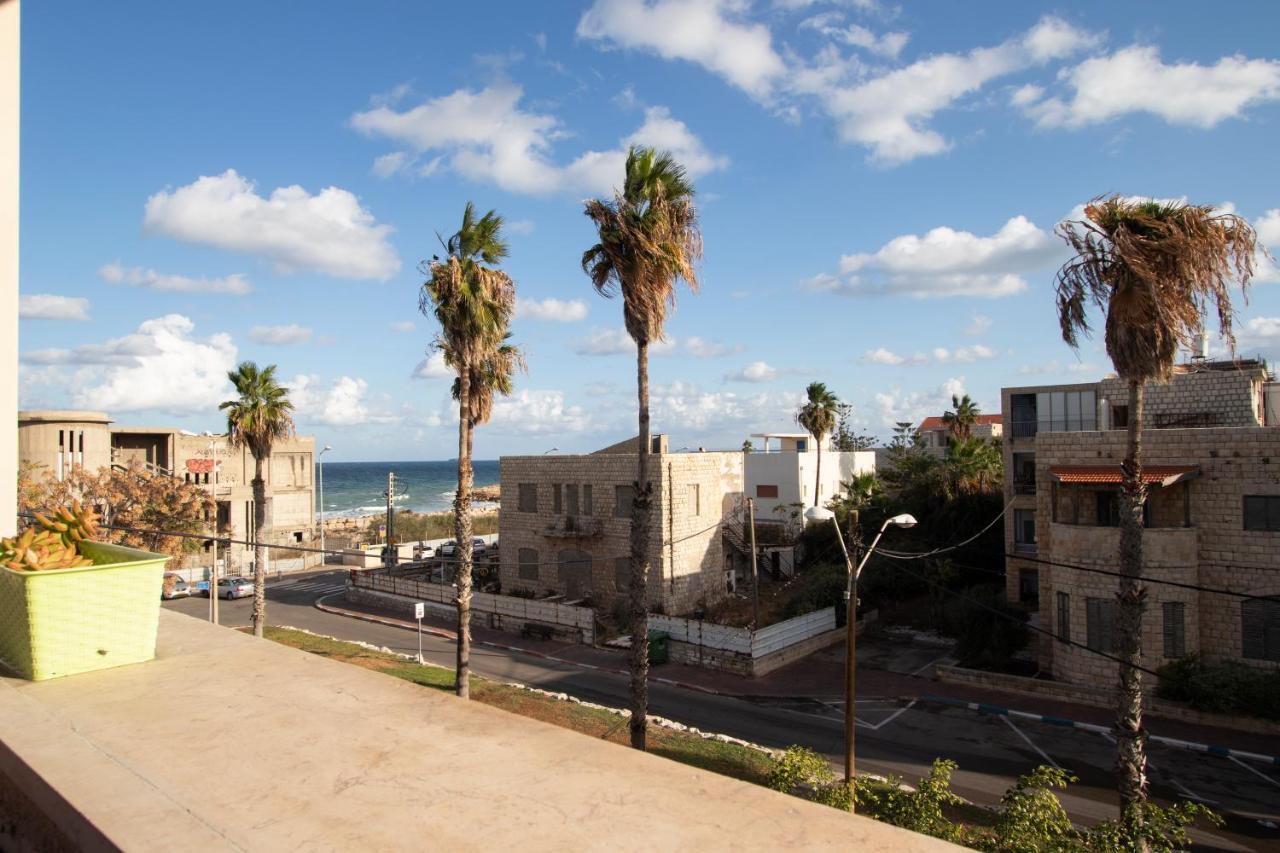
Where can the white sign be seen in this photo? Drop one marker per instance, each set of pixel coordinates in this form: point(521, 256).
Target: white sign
point(419, 610)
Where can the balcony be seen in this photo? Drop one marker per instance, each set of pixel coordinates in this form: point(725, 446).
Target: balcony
point(1024, 487)
point(1173, 549)
point(350, 759)
point(572, 527)
point(1029, 428)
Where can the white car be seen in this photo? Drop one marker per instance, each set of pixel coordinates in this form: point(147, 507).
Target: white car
point(450, 548)
point(234, 587)
point(174, 586)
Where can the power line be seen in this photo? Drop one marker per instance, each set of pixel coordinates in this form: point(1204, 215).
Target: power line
point(908, 556)
point(1145, 579)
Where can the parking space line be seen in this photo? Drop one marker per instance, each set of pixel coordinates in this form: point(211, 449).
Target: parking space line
point(929, 664)
point(1254, 770)
point(1030, 742)
point(893, 716)
point(1182, 789)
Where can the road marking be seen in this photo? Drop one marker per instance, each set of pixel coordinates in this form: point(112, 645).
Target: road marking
point(1030, 742)
point(1173, 781)
point(889, 719)
point(1254, 770)
point(929, 664)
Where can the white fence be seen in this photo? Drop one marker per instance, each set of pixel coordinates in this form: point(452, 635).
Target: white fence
point(771, 638)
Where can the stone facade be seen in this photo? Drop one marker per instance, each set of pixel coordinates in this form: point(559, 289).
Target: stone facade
point(565, 525)
point(1196, 531)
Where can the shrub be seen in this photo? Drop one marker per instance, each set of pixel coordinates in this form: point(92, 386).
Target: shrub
point(987, 629)
point(804, 773)
point(1222, 688)
point(920, 810)
point(823, 586)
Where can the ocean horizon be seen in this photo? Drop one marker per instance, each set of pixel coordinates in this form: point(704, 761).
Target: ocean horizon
point(359, 488)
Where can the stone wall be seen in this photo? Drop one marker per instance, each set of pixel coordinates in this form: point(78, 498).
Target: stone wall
point(1196, 398)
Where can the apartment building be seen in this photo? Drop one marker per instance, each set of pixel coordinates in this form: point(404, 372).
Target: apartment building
point(780, 474)
point(61, 441)
point(936, 435)
point(1211, 449)
point(565, 524)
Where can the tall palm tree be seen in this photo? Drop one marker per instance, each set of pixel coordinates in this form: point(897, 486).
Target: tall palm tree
point(257, 419)
point(1154, 268)
point(473, 302)
point(649, 237)
point(963, 415)
point(818, 417)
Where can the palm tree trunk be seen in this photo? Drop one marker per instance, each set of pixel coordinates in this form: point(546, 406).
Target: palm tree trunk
point(639, 605)
point(1131, 759)
point(817, 477)
point(462, 530)
point(259, 549)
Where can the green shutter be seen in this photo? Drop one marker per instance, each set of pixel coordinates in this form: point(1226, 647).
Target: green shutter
point(1175, 636)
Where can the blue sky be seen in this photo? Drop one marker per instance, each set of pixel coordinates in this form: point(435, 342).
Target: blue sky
point(878, 187)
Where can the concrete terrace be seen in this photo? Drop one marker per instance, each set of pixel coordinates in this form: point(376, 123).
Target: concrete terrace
point(225, 742)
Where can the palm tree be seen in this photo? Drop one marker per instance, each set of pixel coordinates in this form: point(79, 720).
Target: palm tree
point(818, 417)
point(1154, 268)
point(257, 419)
point(962, 417)
point(648, 238)
point(473, 302)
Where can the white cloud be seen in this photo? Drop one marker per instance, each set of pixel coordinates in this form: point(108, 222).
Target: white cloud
point(1260, 333)
point(520, 226)
point(880, 355)
point(1055, 367)
point(963, 355)
point(946, 262)
point(710, 33)
point(756, 371)
point(403, 327)
point(894, 405)
point(1135, 80)
point(161, 366)
point(280, 335)
point(343, 403)
point(938, 355)
point(149, 279)
point(618, 342)
point(1268, 228)
point(685, 407)
point(486, 136)
point(1267, 269)
point(552, 310)
point(538, 413)
point(329, 232)
point(433, 367)
point(980, 324)
point(703, 348)
point(888, 45)
point(386, 165)
point(47, 306)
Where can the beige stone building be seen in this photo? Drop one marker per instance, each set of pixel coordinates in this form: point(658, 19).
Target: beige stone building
point(565, 524)
point(1211, 448)
point(936, 434)
point(60, 441)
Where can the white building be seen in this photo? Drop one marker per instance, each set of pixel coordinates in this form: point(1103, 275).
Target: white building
point(781, 478)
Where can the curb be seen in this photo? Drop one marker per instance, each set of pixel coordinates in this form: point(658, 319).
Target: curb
point(996, 710)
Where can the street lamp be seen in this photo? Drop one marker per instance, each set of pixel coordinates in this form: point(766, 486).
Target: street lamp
point(817, 513)
point(324, 555)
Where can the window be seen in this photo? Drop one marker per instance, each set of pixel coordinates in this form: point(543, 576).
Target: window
point(528, 497)
point(1100, 614)
point(766, 491)
point(571, 499)
point(528, 558)
point(695, 498)
point(802, 444)
point(556, 505)
point(621, 573)
point(1024, 473)
point(297, 536)
point(1260, 621)
point(1108, 507)
point(623, 498)
point(1175, 629)
point(1119, 417)
point(1028, 586)
point(1262, 512)
point(587, 507)
point(1065, 411)
point(1064, 617)
point(1024, 529)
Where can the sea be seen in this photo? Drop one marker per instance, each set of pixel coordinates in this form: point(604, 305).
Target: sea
point(359, 488)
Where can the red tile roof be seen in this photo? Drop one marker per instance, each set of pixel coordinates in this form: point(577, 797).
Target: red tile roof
point(936, 422)
point(1110, 474)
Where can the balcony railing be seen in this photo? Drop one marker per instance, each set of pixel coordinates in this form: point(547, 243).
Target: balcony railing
point(1024, 547)
point(1028, 428)
point(1024, 487)
point(572, 527)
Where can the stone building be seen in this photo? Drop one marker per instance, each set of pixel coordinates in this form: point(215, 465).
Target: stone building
point(935, 433)
point(1211, 451)
point(565, 524)
point(60, 441)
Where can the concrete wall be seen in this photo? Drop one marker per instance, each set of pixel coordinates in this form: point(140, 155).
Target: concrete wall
point(52, 440)
point(793, 475)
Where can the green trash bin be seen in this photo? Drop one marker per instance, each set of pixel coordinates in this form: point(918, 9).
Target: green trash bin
point(659, 650)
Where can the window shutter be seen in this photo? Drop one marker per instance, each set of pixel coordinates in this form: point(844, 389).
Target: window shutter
point(1260, 624)
point(1175, 636)
point(1092, 617)
point(1255, 512)
point(1064, 617)
point(1273, 512)
point(528, 559)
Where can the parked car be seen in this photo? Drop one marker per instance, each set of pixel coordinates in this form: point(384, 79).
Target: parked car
point(234, 587)
point(174, 586)
point(450, 548)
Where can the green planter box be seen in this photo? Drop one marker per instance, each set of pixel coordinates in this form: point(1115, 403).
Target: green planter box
point(68, 621)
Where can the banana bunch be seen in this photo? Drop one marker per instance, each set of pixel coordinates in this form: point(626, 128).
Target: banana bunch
point(53, 543)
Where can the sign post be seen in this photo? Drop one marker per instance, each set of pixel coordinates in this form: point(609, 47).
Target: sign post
point(419, 610)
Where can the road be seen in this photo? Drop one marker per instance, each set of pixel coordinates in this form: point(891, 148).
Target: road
point(894, 738)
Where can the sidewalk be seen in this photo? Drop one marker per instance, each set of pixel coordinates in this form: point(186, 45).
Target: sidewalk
point(818, 677)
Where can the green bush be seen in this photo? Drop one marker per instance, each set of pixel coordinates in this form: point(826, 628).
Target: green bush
point(804, 773)
point(823, 586)
point(1228, 687)
point(987, 629)
point(920, 810)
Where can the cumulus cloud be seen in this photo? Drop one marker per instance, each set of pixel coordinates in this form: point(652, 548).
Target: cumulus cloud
point(329, 232)
point(488, 137)
point(703, 348)
point(938, 355)
point(433, 367)
point(342, 403)
point(756, 371)
point(1135, 80)
point(686, 406)
point(280, 335)
point(48, 306)
point(404, 327)
point(552, 310)
point(160, 366)
point(880, 355)
point(1267, 269)
point(895, 405)
point(618, 342)
point(545, 412)
point(710, 33)
point(1260, 333)
point(149, 279)
point(946, 262)
point(979, 324)
point(1054, 367)
point(831, 25)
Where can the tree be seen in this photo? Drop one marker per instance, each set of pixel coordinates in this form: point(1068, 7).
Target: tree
point(818, 416)
point(974, 466)
point(846, 440)
point(747, 446)
point(1154, 268)
point(963, 415)
point(257, 419)
point(473, 301)
point(648, 238)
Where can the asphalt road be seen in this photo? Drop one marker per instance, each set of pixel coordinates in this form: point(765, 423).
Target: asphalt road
point(894, 738)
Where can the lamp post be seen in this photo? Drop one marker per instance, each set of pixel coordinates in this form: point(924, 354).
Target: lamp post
point(817, 513)
point(324, 555)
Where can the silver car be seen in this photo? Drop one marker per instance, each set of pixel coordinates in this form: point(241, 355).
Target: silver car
point(234, 587)
point(174, 586)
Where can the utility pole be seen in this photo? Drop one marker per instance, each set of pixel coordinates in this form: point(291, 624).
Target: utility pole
point(755, 572)
point(851, 634)
point(388, 560)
